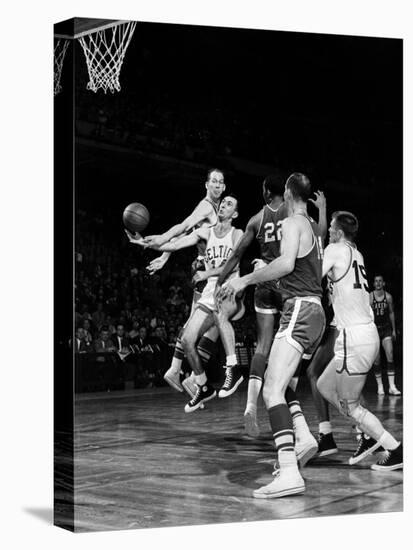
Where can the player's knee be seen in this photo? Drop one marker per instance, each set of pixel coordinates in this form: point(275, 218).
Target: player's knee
point(353, 409)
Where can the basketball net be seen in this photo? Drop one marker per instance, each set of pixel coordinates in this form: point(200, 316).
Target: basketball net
point(59, 56)
point(104, 52)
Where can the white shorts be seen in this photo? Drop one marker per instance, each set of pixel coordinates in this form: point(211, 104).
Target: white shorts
point(356, 349)
point(207, 301)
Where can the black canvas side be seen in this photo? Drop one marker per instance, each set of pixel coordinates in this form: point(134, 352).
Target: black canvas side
point(63, 297)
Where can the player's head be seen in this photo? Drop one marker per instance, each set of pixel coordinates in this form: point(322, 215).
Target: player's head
point(344, 226)
point(272, 186)
point(379, 282)
point(228, 209)
point(297, 188)
point(215, 183)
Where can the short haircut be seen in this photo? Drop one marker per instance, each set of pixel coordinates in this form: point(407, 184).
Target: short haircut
point(104, 328)
point(214, 170)
point(379, 275)
point(299, 185)
point(274, 185)
point(233, 196)
point(347, 222)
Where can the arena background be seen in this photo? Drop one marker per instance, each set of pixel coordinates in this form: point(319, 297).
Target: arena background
point(249, 102)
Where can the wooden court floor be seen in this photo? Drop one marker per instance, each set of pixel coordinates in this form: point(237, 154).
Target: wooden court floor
point(141, 461)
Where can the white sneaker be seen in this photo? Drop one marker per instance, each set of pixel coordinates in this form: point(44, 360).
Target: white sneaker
point(380, 391)
point(173, 379)
point(251, 424)
point(305, 449)
point(394, 391)
point(287, 482)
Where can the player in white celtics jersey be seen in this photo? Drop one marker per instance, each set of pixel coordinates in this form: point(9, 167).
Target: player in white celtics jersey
point(220, 241)
point(357, 343)
point(205, 214)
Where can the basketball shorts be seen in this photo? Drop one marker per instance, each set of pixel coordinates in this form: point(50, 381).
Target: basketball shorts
point(384, 331)
point(302, 323)
point(198, 265)
point(207, 302)
point(267, 298)
point(356, 349)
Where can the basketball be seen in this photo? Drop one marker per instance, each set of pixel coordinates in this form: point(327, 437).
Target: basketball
point(136, 217)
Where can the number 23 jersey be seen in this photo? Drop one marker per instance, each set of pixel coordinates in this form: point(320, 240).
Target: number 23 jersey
point(350, 293)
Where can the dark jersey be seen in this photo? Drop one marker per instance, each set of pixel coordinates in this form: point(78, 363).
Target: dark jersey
point(381, 311)
point(269, 233)
point(305, 279)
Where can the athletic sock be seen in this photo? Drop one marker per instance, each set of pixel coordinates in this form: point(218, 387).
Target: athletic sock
point(387, 441)
point(201, 379)
point(231, 361)
point(301, 428)
point(258, 364)
point(283, 434)
point(325, 427)
point(205, 349)
point(391, 374)
point(178, 356)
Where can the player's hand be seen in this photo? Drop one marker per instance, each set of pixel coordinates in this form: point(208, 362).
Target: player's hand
point(135, 238)
point(156, 264)
point(153, 241)
point(199, 276)
point(320, 200)
point(393, 335)
point(258, 264)
point(232, 288)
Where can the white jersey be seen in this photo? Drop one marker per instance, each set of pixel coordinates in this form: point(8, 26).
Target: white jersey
point(350, 294)
point(218, 249)
point(209, 221)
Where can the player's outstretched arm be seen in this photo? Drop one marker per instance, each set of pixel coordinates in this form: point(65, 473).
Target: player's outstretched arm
point(185, 241)
point(278, 268)
point(321, 203)
point(241, 246)
point(201, 212)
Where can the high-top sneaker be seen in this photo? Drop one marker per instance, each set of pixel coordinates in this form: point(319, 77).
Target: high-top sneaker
point(233, 379)
point(204, 393)
point(390, 460)
point(326, 445)
point(365, 447)
point(174, 379)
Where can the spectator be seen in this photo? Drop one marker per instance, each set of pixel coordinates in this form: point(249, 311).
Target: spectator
point(104, 344)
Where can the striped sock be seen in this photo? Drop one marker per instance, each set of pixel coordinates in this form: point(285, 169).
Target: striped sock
point(205, 349)
point(178, 356)
point(282, 427)
point(301, 428)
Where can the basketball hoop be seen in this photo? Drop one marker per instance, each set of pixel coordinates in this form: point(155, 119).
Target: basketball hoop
point(104, 52)
point(59, 56)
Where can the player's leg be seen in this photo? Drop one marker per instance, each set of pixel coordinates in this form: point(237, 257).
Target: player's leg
point(227, 309)
point(283, 361)
point(172, 375)
point(388, 350)
point(322, 357)
point(378, 373)
point(349, 388)
point(206, 348)
point(265, 337)
point(198, 321)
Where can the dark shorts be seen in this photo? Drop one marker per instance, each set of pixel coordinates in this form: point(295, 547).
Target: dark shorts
point(384, 332)
point(302, 323)
point(267, 298)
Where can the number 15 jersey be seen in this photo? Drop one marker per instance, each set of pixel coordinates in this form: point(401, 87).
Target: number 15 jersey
point(350, 293)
